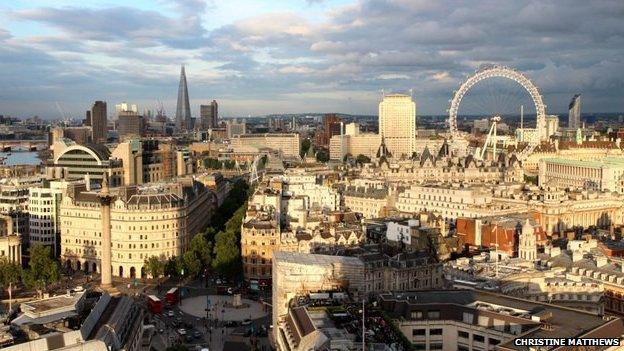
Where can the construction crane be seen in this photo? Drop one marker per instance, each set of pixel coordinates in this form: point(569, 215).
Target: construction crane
point(62, 112)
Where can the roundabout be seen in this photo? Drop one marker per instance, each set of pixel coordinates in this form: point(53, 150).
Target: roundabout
point(222, 307)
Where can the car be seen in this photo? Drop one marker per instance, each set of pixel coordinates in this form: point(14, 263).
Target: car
point(246, 322)
point(179, 319)
point(161, 330)
point(182, 331)
point(197, 334)
point(189, 338)
point(231, 324)
point(170, 314)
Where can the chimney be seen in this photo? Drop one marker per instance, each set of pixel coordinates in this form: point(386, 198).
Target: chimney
point(601, 261)
point(577, 255)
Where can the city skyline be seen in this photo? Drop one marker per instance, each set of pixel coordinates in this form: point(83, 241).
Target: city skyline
point(301, 56)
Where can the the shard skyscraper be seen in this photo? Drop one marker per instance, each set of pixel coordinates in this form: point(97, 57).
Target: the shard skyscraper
point(183, 109)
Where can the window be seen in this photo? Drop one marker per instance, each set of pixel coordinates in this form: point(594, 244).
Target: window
point(435, 346)
point(418, 332)
point(468, 318)
point(433, 315)
point(435, 331)
point(478, 338)
point(417, 315)
point(463, 334)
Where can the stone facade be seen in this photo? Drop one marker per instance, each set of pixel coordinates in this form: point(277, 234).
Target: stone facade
point(145, 222)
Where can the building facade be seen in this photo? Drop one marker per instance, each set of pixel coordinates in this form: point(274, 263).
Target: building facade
point(605, 174)
point(99, 122)
point(209, 116)
point(397, 124)
point(289, 144)
point(153, 221)
point(73, 161)
point(574, 112)
point(44, 214)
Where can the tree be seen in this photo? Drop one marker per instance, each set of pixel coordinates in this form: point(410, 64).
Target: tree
point(42, 268)
point(227, 253)
point(361, 159)
point(155, 266)
point(202, 249)
point(322, 155)
point(10, 274)
point(305, 146)
point(235, 222)
point(174, 266)
point(192, 264)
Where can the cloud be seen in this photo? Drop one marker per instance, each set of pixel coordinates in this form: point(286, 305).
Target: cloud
point(142, 28)
point(296, 58)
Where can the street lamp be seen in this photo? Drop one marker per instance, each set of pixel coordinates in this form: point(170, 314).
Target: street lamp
point(179, 290)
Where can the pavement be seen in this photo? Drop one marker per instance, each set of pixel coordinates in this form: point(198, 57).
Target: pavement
point(190, 314)
point(221, 308)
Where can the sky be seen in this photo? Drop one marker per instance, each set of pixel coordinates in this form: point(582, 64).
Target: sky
point(259, 57)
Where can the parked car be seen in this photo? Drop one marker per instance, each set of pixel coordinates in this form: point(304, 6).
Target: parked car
point(246, 322)
point(231, 324)
point(170, 313)
point(182, 331)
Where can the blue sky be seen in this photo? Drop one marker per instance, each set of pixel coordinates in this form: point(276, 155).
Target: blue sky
point(261, 57)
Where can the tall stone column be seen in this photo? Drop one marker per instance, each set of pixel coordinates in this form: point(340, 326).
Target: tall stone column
point(106, 270)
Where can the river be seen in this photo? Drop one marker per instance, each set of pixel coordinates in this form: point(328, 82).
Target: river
point(20, 158)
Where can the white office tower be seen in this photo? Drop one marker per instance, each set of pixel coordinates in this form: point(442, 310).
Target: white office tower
point(397, 124)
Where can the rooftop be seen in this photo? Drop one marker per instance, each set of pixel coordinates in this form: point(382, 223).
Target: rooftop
point(606, 162)
point(307, 259)
point(561, 322)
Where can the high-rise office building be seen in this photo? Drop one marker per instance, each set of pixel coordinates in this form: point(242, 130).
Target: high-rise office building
point(574, 112)
point(397, 124)
point(125, 107)
point(99, 122)
point(331, 127)
point(209, 115)
point(130, 125)
point(183, 109)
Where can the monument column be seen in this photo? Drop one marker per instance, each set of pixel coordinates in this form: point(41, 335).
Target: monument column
point(105, 261)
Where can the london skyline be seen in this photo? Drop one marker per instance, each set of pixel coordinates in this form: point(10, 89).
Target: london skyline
point(259, 57)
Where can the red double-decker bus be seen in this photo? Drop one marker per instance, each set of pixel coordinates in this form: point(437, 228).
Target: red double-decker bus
point(154, 304)
point(172, 296)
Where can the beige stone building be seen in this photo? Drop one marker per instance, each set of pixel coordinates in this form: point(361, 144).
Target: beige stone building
point(605, 174)
point(74, 161)
point(354, 143)
point(288, 144)
point(159, 220)
point(10, 242)
point(570, 150)
point(453, 201)
point(443, 166)
point(371, 202)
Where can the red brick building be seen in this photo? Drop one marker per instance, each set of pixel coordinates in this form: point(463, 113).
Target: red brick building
point(501, 231)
